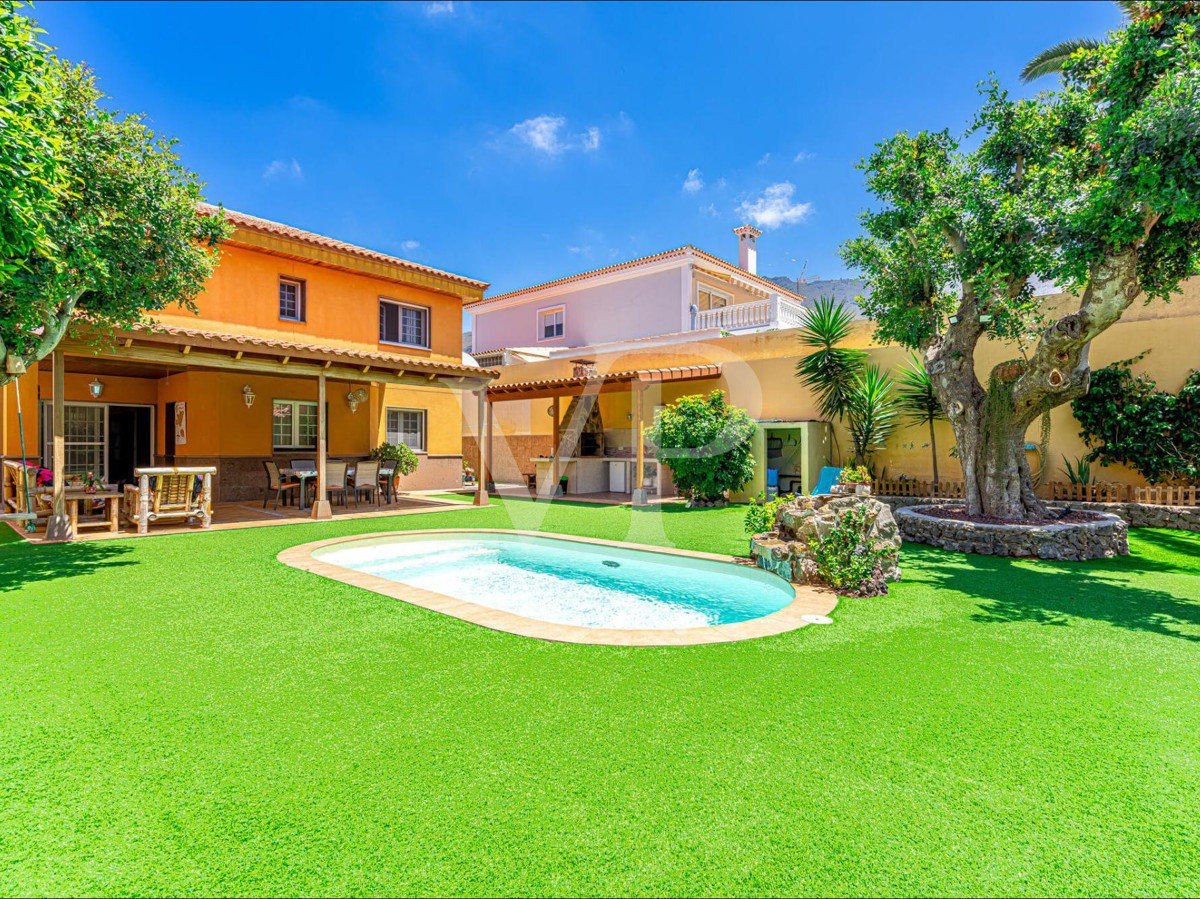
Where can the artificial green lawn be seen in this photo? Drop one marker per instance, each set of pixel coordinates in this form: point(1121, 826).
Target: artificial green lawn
point(183, 714)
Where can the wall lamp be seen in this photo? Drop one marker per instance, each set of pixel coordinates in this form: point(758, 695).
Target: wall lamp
point(354, 397)
point(248, 395)
point(96, 388)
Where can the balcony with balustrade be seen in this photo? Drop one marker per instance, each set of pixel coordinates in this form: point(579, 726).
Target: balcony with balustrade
point(769, 314)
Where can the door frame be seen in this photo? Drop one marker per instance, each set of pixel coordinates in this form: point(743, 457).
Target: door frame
point(46, 409)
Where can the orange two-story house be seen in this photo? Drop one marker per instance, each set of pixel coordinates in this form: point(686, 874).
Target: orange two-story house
point(238, 383)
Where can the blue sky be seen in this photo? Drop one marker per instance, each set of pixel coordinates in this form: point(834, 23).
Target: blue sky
point(517, 143)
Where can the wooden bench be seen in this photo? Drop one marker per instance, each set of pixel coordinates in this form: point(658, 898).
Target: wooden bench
point(169, 494)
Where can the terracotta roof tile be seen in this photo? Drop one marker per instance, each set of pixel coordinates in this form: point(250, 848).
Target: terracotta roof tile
point(646, 260)
point(244, 340)
point(254, 223)
point(677, 373)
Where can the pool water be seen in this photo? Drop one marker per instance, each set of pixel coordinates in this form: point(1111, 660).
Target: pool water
point(567, 582)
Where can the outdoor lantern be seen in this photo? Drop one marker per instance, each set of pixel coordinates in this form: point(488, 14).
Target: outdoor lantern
point(96, 388)
point(354, 397)
point(248, 395)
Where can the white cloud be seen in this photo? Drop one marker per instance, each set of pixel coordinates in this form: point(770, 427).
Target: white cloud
point(803, 156)
point(693, 182)
point(766, 157)
point(721, 184)
point(439, 8)
point(710, 209)
point(409, 246)
point(282, 168)
point(547, 134)
point(774, 207)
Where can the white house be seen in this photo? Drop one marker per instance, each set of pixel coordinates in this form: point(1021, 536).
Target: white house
point(676, 293)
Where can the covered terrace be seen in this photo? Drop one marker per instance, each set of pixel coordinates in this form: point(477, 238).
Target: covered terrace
point(584, 452)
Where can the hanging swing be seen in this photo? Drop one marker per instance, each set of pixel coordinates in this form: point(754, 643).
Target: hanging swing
point(28, 516)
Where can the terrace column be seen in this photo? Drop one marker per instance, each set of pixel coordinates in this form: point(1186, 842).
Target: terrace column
point(555, 439)
point(639, 478)
point(59, 526)
point(320, 506)
point(482, 419)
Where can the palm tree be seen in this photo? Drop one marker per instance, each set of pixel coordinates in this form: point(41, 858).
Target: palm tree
point(1052, 60)
point(829, 370)
point(919, 405)
point(870, 412)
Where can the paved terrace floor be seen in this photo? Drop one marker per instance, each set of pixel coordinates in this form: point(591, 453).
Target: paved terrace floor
point(251, 514)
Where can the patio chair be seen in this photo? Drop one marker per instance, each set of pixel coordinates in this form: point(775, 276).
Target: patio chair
point(335, 481)
point(278, 485)
point(303, 464)
point(387, 479)
point(826, 479)
point(366, 480)
point(167, 494)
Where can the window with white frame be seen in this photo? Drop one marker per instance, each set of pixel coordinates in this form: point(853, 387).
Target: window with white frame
point(293, 424)
point(407, 426)
point(707, 298)
point(550, 323)
point(291, 300)
point(84, 442)
point(403, 324)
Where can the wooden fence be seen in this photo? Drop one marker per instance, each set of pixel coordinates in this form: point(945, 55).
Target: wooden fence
point(1052, 490)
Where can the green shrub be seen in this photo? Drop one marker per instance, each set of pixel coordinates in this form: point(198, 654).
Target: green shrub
point(845, 557)
point(405, 458)
point(760, 516)
point(706, 444)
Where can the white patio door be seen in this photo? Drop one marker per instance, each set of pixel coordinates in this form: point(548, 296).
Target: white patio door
point(84, 434)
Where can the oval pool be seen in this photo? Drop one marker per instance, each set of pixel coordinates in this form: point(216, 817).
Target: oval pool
point(567, 582)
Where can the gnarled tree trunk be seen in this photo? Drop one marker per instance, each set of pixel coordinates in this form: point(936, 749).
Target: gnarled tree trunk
point(990, 423)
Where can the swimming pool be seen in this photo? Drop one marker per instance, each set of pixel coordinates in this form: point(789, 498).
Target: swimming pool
point(568, 582)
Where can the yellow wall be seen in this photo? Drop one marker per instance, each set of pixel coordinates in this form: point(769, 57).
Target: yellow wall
point(758, 375)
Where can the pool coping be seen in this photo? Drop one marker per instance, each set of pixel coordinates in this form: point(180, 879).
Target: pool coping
point(808, 600)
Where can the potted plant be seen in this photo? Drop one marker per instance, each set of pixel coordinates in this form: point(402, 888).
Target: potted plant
point(91, 483)
point(855, 479)
point(468, 474)
point(402, 455)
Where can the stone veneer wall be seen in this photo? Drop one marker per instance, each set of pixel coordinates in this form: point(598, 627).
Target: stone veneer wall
point(512, 456)
point(1136, 515)
point(243, 478)
point(1069, 542)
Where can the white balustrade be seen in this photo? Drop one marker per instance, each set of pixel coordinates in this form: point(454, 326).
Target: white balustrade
point(761, 315)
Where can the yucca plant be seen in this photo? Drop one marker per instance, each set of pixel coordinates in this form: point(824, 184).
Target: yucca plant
point(827, 369)
point(1079, 472)
point(871, 412)
point(918, 404)
point(1052, 60)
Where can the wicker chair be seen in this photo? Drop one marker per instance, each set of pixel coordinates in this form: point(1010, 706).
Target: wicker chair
point(277, 484)
point(169, 494)
point(366, 480)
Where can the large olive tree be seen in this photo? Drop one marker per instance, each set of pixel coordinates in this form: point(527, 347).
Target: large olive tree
point(119, 235)
point(1095, 188)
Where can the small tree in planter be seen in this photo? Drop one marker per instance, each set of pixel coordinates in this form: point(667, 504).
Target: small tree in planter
point(405, 458)
point(854, 477)
point(706, 443)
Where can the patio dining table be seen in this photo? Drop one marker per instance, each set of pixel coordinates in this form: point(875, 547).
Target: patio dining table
point(307, 475)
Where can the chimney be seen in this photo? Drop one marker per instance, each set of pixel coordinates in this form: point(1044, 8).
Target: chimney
point(747, 251)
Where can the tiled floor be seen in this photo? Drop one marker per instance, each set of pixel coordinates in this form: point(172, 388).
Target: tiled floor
point(251, 514)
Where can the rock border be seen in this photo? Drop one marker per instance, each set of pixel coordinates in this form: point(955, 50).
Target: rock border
point(1053, 542)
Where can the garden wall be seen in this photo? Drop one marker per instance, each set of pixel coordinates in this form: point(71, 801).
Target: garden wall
point(1136, 515)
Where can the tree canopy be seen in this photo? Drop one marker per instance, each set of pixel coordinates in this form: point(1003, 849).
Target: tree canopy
point(1094, 188)
point(706, 443)
point(121, 238)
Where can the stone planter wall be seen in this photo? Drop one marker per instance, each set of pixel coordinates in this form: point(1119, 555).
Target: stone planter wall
point(1069, 542)
point(1136, 515)
point(786, 550)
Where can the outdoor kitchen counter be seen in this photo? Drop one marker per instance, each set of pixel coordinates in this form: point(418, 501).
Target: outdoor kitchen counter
point(588, 474)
